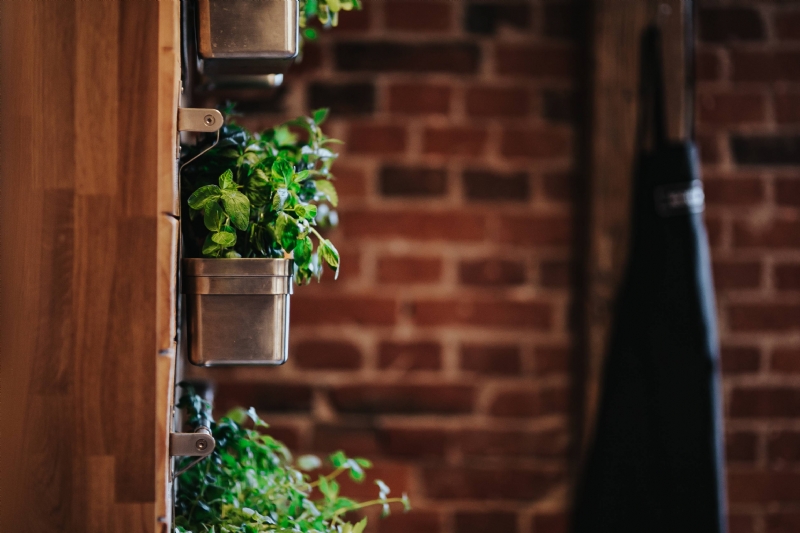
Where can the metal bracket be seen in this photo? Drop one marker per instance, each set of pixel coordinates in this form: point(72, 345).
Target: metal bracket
point(199, 119)
point(197, 444)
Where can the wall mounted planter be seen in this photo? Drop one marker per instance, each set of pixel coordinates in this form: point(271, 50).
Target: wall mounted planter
point(238, 310)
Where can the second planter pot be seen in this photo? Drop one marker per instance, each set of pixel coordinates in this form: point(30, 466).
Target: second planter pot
point(237, 310)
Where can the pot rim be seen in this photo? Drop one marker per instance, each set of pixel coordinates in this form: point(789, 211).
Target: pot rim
point(207, 267)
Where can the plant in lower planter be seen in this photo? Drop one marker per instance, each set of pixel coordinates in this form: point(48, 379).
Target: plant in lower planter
point(255, 202)
point(251, 483)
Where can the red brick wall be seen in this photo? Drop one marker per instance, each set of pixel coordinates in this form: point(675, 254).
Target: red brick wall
point(443, 350)
point(749, 127)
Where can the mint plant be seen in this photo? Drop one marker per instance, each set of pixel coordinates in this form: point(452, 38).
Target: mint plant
point(251, 483)
point(326, 11)
point(264, 195)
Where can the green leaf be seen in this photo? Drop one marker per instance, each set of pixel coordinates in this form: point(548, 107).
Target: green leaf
point(359, 527)
point(338, 459)
point(302, 251)
point(327, 188)
point(214, 216)
point(279, 199)
point(310, 34)
point(282, 170)
point(308, 462)
point(321, 114)
point(233, 254)
point(300, 176)
point(210, 248)
point(237, 206)
point(366, 463)
point(224, 238)
point(203, 195)
point(226, 181)
point(329, 254)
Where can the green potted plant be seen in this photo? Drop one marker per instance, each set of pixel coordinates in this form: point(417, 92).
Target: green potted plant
point(255, 203)
point(251, 482)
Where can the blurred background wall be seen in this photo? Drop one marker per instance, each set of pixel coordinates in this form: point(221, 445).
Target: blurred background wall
point(447, 351)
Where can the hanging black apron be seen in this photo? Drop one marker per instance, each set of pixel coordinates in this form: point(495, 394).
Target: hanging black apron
point(656, 463)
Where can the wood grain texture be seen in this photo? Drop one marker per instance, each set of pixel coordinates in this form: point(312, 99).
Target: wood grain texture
point(89, 96)
point(618, 26)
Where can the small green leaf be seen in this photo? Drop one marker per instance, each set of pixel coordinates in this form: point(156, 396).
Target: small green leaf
point(329, 254)
point(308, 462)
point(302, 251)
point(280, 198)
point(366, 463)
point(338, 459)
point(300, 176)
point(237, 206)
point(327, 188)
point(359, 528)
point(226, 181)
point(282, 170)
point(210, 248)
point(203, 195)
point(214, 216)
point(321, 114)
point(225, 239)
point(233, 254)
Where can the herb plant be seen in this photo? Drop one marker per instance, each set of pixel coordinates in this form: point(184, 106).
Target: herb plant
point(251, 483)
point(326, 11)
point(263, 195)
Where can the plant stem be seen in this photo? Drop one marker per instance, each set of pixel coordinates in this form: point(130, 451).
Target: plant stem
point(332, 475)
point(367, 504)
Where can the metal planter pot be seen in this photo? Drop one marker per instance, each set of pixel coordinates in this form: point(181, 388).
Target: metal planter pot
point(237, 310)
point(237, 37)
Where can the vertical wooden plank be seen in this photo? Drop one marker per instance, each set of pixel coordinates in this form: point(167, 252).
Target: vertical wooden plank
point(85, 399)
point(618, 27)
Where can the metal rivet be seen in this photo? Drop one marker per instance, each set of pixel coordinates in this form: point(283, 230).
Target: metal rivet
point(209, 120)
point(201, 444)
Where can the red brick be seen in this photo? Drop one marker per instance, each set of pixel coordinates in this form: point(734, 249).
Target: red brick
point(739, 523)
point(784, 447)
point(787, 277)
point(481, 522)
point(376, 139)
point(726, 109)
point(787, 25)
point(343, 98)
point(418, 15)
point(559, 186)
point(485, 18)
point(787, 108)
point(413, 521)
point(486, 101)
point(765, 66)
point(550, 523)
point(537, 143)
point(765, 317)
point(343, 310)
point(740, 359)
point(481, 185)
point(405, 182)
point(455, 141)
point(329, 355)
point(486, 313)
point(310, 61)
point(737, 275)
point(409, 269)
point(554, 274)
point(786, 360)
point(537, 61)
point(491, 272)
point(708, 147)
point(731, 24)
point(415, 225)
point(714, 230)
point(410, 355)
point(353, 22)
point(560, 106)
point(419, 99)
point(741, 447)
point(500, 360)
point(708, 65)
point(350, 182)
point(514, 443)
point(783, 522)
point(765, 402)
point(766, 150)
point(414, 443)
point(406, 399)
point(551, 360)
point(354, 440)
point(763, 487)
point(736, 192)
point(537, 230)
point(288, 435)
point(383, 56)
point(488, 483)
point(529, 404)
point(774, 234)
point(787, 192)
point(264, 397)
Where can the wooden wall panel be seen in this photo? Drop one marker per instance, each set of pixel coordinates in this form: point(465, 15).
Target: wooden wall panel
point(89, 100)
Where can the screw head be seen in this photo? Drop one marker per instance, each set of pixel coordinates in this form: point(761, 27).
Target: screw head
point(201, 444)
point(209, 120)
